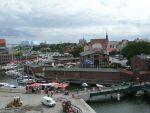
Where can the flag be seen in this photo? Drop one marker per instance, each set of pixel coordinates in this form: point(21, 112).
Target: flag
point(88, 61)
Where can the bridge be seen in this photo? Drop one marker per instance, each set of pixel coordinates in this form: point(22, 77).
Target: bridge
point(114, 92)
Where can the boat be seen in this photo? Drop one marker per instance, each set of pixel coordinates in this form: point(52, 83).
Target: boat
point(13, 73)
point(3, 85)
point(25, 81)
point(9, 66)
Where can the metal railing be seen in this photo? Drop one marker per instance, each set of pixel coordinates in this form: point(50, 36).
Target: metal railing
point(76, 109)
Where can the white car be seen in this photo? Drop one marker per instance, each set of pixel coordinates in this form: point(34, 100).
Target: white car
point(4, 84)
point(7, 85)
point(12, 86)
point(48, 101)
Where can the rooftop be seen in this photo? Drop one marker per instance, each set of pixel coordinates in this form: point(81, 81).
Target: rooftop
point(85, 53)
point(84, 69)
point(144, 57)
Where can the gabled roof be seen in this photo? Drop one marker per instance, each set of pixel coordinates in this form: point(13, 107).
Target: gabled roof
point(86, 53)
point(93, 41)
point(144, 57)
point(103, 42)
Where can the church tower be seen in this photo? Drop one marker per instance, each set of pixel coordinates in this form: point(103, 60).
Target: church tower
point(106, 36)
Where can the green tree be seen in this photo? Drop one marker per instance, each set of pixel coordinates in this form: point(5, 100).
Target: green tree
point(36, 48)
point(114, 52)
point(77, 50)
point(18, 53)
point(136, 48)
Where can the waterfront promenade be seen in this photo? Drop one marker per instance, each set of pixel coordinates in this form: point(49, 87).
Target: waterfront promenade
point(32, 103)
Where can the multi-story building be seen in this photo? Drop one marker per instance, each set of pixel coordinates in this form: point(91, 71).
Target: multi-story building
point(122, 44)
point(141, 62)
point(3, 50)
point(141, 67)
point(97, 45)
point(5, 57)
point(95, 53)
point(2, 42)
point(112, 46)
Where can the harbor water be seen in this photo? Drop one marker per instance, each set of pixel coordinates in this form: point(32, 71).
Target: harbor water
point(127, 105)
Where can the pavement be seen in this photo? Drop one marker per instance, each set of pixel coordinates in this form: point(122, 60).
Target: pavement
point(31, 103)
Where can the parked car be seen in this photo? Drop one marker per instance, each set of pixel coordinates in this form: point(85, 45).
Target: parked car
point(7, 85)
point(48, 101)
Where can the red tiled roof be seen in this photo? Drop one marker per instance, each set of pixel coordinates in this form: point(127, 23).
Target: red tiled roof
point(104, 42)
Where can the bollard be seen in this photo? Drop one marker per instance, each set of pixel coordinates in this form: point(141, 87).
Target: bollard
point(72, 95)
point(118, 97)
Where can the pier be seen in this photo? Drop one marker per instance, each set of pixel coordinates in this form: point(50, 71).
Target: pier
point(114, 92)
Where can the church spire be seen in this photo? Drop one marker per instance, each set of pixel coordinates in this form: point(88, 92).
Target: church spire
point(106, 36)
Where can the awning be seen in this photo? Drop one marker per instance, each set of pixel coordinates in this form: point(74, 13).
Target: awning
point(62, 85)
point(35, 84)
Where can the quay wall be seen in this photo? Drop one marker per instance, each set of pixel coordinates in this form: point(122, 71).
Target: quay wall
point(104, 97)
point(85, 108)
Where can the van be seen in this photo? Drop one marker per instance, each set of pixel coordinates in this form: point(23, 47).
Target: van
point(48, 101)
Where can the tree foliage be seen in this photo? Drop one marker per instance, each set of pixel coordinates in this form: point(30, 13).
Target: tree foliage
point(18, 53)
point(136, 48)
point(72, 48)
point(114, 52)
point(77, 50)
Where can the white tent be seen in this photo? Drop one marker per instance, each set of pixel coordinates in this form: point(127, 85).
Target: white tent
point(99, 85)
point(84, 84)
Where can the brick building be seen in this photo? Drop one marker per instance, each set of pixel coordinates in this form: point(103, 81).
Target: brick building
point(142, 62)
point(141, 67)
point(95, 54)
point(97, 45)
point(93, 59)
point(79, 75)
point(5, 58)
point(2, 42)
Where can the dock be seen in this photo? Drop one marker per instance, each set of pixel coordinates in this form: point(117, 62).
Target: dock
point(32, 103)
point(115, 92)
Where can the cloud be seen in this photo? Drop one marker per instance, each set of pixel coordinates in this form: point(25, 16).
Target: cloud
point(69, 20)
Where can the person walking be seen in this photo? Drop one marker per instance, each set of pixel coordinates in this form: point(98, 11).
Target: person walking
point(52, 93)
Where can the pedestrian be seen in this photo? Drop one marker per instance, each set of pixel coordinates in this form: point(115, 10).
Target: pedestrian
point(38, 90)
point(51, 93)
point(77, 90)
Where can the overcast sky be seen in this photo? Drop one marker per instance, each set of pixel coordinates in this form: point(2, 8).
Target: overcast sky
point(58, 21)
